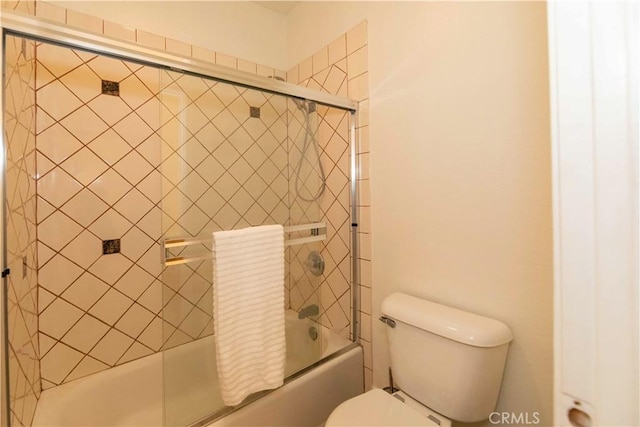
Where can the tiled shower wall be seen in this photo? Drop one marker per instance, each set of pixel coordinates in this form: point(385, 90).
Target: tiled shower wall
point(157, 155)
point(341, 68)
point(96, 311)
point(22, 315)
point(27, 7)
point(335, 300)
point(330, 131)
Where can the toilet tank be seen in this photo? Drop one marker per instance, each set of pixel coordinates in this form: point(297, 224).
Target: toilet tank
point(450, 360)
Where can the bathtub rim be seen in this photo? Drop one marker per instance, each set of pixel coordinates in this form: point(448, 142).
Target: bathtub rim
point(257, 396)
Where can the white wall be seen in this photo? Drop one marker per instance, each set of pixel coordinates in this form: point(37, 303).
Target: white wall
point(460, 167)
point(238, 28)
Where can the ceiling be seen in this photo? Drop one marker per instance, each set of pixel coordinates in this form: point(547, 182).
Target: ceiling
point(281, 7)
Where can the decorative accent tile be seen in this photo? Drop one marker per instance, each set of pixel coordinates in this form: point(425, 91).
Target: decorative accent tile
point(110, 88)
point(111, 246)
point(254, 112)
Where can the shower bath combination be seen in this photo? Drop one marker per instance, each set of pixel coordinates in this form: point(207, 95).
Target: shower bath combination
point(170, 156)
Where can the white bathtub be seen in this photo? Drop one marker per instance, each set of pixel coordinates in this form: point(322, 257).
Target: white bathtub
point(132, 394)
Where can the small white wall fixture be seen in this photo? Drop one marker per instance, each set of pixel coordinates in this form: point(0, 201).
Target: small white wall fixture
point(593, 50)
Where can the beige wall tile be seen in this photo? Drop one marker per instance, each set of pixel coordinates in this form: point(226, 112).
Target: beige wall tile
point(247, 67)
point(293, 75)
point(338, 49)
point(359, 87)
point(358, 62)
point(364, 198)
point(203, 54)
point(84, 21)
point(363, 166)
point(281, 73)
point(51, 12)
point(305, 69)
point(119, 31)
point(357, 37)
point(226, 60)
point(365, 273)
point(366, 350)
point(58, 362)
point(320, 60)
point(365, 327)
point(368, 379)
point(265, 71)
point(363, 139)
point(179, 48)
point(365, 246)
point(365, 300)
point(364, 219)
point(151, 40)
point(363, 112)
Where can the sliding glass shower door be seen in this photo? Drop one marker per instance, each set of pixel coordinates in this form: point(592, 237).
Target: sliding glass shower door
point(226, 165)
point(111, 167)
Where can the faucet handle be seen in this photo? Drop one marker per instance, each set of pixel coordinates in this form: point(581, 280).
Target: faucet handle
point(314, 263)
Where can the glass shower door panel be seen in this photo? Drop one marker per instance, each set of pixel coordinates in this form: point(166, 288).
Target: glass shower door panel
point(187, 170)
point(21, 337)
point(225, 166)
point(332, 131)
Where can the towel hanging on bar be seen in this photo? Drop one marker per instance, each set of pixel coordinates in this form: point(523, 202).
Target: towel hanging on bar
point(248, 310)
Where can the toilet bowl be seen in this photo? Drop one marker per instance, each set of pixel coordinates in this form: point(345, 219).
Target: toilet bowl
point(379, 408)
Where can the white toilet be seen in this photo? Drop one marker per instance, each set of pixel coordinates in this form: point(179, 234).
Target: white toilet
point(448, 364)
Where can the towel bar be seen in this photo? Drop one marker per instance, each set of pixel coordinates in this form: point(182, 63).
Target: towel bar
point(317, 232)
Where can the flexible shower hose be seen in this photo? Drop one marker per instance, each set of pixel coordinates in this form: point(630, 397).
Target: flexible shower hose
point(309, 139)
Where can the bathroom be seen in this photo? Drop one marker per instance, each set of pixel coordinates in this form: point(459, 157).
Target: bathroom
point(453, 156)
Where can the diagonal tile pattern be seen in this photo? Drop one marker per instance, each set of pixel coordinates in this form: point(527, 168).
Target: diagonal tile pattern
point(182, 159)
point(91, 308)
point(107, 310)
point(22, 297)
point(223, 169)
point(172, 156)
point(341, 68)
point(331, 130)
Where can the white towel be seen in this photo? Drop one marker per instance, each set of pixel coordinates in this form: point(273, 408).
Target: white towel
point(248, 310)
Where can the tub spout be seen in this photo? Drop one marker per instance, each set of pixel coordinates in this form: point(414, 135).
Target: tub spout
point(308, 311)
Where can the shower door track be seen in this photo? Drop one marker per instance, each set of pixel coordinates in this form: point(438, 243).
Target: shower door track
point(36, 28)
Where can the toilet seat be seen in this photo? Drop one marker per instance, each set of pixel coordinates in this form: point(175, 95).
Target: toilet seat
point(379, 408)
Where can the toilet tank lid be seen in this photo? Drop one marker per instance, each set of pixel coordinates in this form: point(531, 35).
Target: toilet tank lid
point(448, 322)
